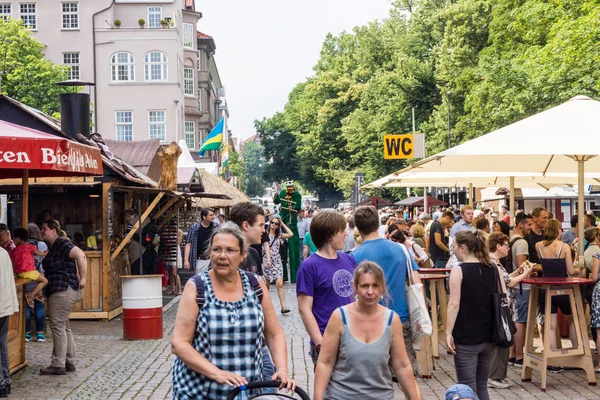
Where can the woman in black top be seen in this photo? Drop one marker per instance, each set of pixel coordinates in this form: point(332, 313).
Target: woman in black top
point(470, 312)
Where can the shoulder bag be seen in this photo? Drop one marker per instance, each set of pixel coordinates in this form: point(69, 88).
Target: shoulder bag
point(503, 326)
point(420, 322)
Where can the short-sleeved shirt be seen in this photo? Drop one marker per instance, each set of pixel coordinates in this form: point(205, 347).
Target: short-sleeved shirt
point(312, 249)
point(328, 282)
point(569, 236)
point(22, 258)
point(392, 259)
point(204, 235)
point(520, 247)
point(253, 262)
point(437, 254)
point(60, 269)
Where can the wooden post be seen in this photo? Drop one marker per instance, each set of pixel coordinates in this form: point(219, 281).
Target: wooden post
point(170, 215)
point(137, 225)
point(25, 199)
point(106, 264)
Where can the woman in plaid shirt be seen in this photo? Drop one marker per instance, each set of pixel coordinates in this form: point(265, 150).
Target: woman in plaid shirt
point(218, 346)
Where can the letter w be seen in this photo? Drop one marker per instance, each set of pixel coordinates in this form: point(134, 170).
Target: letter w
point(393, 146)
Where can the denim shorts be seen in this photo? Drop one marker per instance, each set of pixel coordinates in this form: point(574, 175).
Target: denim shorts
point(522, 306)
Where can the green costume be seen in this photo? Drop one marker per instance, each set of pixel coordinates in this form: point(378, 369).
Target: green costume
point(290, 205)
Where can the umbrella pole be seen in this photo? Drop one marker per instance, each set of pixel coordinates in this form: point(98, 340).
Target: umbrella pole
point(425, 205)
point(471, 194)
point(511, 199)
point(25, 199)
point(580, 204)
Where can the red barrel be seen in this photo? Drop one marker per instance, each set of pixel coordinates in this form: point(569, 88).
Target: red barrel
point(142, 307)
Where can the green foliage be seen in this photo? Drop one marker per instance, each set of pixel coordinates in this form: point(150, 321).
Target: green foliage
point(252, 166)
point(24, 72)
point(501, 60)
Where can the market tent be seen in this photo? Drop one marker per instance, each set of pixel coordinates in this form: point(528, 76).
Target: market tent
point(26, 152)
point(555, 142)
point(376, 202)
point(214, 184)
point(418, 202)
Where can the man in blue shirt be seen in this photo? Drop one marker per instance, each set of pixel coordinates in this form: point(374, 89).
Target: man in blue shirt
point(392, 259)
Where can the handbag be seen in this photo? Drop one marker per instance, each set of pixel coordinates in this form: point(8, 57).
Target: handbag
point(423, 264)
point(503, 327)
point(420, 321)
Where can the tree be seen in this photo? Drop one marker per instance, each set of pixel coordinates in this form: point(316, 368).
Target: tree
point(25, 74)
point(253, 162)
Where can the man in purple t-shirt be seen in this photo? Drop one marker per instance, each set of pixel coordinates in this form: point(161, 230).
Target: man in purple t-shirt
point(324, 280)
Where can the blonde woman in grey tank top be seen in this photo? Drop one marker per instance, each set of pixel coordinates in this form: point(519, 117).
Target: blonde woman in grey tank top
point(361, 342)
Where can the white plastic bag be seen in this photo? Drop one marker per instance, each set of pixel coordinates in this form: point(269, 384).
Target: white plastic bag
point(420, 322)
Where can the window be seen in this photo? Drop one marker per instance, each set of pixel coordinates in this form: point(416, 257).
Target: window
point(188, 36)
point(124, 125)
point(28, 15)
point(200, 99)
point(5, 10)
point(188, 81)
point(70, 15)
point(155, 66)
point(154, 17)
point(122, 67)
point(157, 125)
point(71, 60)
point(190, 135)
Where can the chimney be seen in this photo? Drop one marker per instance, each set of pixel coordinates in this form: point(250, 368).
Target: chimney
point(75, 110)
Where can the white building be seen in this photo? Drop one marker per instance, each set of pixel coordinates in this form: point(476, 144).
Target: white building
point(146, 76)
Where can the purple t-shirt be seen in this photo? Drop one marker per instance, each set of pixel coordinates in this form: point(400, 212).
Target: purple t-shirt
point(328, 282)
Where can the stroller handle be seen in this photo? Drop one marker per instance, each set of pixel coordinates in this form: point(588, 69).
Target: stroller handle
point(264, 384)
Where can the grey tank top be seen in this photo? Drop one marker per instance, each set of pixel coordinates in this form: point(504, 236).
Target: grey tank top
point(362, 370)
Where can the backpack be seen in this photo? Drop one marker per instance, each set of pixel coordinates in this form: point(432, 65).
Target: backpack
point(507, 261)
point(200, 298)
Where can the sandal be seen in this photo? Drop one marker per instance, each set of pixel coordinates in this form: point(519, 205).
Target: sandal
point(285, 310)
point(170, 293)
point(30, 300)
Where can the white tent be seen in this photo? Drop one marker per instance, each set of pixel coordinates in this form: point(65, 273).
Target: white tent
point(557, 142)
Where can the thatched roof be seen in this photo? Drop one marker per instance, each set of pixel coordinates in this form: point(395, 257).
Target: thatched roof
point(214, 184)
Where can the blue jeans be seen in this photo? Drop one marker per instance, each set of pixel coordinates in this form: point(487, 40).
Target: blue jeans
point(440, 263)
point(268, 369)
point(40, 317)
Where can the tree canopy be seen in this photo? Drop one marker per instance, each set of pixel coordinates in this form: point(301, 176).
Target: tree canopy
point(25, 74)
point(492, 62)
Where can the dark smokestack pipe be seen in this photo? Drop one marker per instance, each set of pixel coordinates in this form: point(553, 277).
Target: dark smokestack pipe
point(75, 114)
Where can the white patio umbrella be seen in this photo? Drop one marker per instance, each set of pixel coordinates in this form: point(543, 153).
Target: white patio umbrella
point(561, 141)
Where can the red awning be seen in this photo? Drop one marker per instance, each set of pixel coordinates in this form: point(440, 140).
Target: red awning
point(44, 155)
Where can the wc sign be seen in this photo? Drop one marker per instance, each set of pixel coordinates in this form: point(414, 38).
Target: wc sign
point(403, 146)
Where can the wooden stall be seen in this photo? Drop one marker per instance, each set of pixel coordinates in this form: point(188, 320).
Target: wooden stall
point(16, 331)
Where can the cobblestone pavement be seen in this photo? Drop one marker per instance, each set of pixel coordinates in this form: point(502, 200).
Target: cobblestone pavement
point(111, 368)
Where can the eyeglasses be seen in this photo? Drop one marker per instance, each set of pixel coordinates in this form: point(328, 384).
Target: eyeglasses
point(217, 251)
point(275, 223)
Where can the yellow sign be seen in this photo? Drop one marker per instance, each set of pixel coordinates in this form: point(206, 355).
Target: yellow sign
point(403, 146)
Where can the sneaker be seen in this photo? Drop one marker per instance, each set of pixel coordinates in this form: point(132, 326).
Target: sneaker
point(497, 384)
point(3, 392)
point(70, 367)
point(518, 362)
point(511, 361)
point(52, 371)
point(41, 337)
point(28, 337)
point(506, 381)
point(555, 370)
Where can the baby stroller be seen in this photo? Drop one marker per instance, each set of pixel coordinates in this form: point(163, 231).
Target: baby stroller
point(267, 396)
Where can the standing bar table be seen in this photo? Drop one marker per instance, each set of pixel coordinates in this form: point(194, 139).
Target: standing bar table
point(579, 356)
point(437, 292)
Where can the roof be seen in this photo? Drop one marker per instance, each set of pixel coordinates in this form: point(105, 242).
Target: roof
point(418, 201)
point(202, 35)
point(214, 184)
point(45, 118)
point(139, 154)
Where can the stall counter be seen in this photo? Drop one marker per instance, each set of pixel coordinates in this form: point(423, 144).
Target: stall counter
point(16, 330)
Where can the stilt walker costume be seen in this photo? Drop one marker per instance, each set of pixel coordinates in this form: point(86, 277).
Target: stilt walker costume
point(291, 203)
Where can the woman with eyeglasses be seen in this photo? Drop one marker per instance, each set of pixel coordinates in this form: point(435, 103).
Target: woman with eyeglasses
point(220, 330)
point(275, 271)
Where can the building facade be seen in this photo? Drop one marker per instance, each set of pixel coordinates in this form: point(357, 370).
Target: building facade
point(147, 76)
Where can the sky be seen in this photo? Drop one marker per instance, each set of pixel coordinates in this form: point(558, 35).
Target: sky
point(266, 47)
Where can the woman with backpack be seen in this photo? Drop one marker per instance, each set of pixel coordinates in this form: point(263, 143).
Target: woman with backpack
point(225, 302)
point(275, 271)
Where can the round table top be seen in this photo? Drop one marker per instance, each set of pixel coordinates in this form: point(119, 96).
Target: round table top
point(434, 270)
point(556, 281)
point(432, 277)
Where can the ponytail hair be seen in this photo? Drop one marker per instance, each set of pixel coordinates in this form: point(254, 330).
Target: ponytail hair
point(476, 243)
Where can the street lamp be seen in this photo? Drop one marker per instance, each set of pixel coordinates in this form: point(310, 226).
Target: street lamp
point(449, 94)
point(277, 134)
